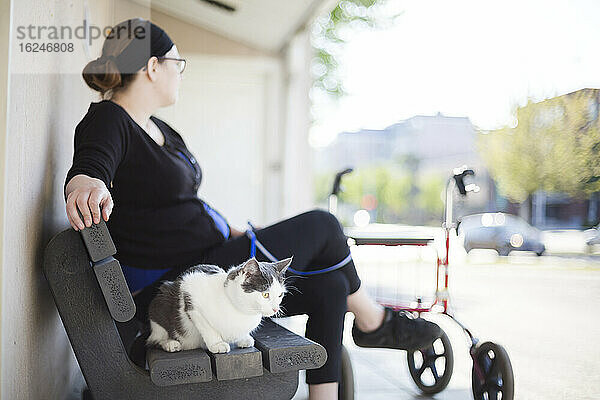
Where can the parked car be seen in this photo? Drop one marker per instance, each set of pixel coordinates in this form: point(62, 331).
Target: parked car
point(501, 232)
point(592, 236)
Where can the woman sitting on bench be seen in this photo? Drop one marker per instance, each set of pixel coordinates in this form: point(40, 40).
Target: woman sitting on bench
point(134, 171)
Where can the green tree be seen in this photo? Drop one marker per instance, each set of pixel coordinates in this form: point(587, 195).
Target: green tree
point(402, 197)
point(390, 186)
point(554, 147)
point(322, 184)
point(331, 32)
point(429, 198)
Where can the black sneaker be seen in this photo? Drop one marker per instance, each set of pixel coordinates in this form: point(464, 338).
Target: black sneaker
point(399, 330)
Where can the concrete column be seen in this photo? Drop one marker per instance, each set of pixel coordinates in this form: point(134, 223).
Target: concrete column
point(5, 19)
point(297, 169)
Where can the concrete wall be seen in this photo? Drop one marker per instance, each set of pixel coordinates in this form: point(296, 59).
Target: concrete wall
point(43, 109)
point(297, 184)
point(5, 6)
point(40, 115)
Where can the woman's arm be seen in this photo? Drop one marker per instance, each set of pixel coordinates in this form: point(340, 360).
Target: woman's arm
point(100, 144)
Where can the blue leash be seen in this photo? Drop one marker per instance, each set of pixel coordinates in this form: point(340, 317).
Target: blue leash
point(254, 242)
point(252, 236)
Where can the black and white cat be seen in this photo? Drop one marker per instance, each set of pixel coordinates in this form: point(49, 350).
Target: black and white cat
point(210, 308)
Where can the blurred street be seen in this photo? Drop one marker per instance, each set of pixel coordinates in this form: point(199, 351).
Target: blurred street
point(541, 309)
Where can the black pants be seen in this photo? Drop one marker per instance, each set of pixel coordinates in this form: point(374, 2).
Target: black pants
point(315, 239)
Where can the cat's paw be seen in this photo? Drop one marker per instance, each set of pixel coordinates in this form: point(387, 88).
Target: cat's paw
point(220, 347)
point(170, 345)
point(245, 342)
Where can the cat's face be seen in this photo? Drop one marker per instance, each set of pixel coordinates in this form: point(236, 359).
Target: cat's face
point(260, 285)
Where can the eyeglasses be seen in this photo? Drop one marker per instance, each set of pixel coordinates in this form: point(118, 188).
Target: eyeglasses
point(180, 62)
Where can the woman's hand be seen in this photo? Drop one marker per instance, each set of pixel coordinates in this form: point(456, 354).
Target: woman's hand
point(88, 195)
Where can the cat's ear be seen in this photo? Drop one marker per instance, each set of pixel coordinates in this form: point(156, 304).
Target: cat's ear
point(251, 266)
point(282, 266)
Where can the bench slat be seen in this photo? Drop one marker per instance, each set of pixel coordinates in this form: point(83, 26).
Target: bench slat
point(283, 350)
point(115, 290)
point(238, 363)
point(98, 241)
point(101, 248)
point(189, 366)
point(276, 349)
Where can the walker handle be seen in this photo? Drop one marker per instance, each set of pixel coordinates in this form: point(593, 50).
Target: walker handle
point(459, 177)
point(338, 179)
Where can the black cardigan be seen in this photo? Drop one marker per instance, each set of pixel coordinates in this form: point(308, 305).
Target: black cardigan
point(158, 221)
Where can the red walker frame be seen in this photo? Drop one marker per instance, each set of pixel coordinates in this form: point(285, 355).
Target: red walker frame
point(441, 294)
point(480, 379)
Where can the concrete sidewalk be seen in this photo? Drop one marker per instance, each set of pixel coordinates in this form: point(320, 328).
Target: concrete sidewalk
point(382, 374)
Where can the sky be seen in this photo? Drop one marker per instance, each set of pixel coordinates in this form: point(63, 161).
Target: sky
point(478, 59)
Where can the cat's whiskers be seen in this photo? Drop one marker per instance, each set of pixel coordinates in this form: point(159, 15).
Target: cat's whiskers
point(285, 278)
point(294, 288)
point(282, 310)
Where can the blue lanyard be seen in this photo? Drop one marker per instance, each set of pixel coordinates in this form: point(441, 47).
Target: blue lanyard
point(250, 233)
point(186, 158)
point(192, 162)
point(254, 241)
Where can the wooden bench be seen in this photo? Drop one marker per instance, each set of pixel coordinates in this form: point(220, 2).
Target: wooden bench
point(97, 311)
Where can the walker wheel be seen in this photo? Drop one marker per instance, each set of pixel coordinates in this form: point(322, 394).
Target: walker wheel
point(497, 380)
point(431, 367)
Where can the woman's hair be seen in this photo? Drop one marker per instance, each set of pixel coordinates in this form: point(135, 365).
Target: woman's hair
point(103, 74)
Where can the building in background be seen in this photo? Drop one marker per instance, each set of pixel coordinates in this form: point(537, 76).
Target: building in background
point(429, 147)
point(424, 148)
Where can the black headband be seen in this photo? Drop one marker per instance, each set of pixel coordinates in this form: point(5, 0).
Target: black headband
point(148, 40)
